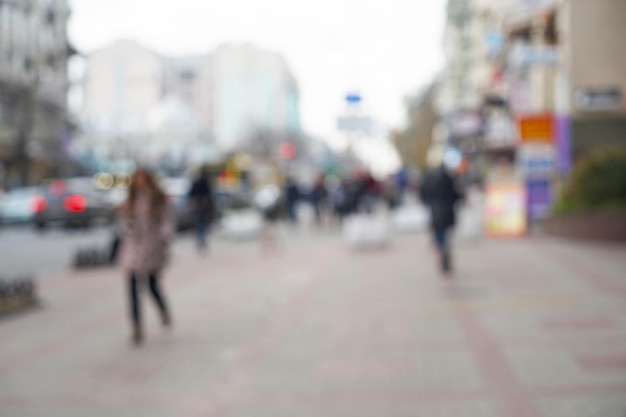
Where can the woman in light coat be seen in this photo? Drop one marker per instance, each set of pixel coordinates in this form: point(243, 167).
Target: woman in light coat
point(148, 223)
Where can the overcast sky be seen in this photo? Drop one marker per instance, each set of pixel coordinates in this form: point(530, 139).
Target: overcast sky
point(386, 49)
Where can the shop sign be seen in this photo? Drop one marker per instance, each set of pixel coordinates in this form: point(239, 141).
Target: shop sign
point(537, 160)
point(536, 128)
point(466, 124)
point(528, 55)
point(591, 100)
point(499, 133)
point(539, 192)
point(563, 145)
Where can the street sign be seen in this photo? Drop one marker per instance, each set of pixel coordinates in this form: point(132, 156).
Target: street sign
point(353, 98)
point(355, 124)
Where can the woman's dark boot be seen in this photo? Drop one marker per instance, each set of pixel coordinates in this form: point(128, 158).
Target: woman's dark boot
point(137, 334)
point(166, 319)
point(446, 261)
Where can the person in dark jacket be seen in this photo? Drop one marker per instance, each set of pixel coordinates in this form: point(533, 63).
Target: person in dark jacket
point(438, 191)
point(292, 195)
point(318, 197)
point(203, 205)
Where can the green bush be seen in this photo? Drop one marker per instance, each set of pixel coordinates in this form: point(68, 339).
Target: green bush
point(598, 183)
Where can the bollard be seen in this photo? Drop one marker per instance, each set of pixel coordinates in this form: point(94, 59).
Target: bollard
point(17, 293)
point(92, 257)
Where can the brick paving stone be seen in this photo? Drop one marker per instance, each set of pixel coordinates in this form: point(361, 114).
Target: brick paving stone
point(526, 328)
point(612, 405)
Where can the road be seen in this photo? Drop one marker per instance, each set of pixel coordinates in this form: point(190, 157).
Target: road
point(23, 250)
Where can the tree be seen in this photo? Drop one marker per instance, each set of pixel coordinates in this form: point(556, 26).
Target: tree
point(413, 141)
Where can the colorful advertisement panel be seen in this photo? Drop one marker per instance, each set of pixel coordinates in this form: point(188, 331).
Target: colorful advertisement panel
point(505, 209)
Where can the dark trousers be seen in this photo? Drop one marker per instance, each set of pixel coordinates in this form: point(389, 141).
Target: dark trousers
point(135, 306)
point(291, 211)
point(441, 236)
point(202, 229)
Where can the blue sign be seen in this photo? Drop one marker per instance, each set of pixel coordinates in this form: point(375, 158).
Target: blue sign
point(353, 98)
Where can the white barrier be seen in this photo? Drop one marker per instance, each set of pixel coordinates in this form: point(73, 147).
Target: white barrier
point(361, 231)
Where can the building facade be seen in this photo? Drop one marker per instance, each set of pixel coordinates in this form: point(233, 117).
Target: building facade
point(534, 85)
point(593, 36)
point(34, 125)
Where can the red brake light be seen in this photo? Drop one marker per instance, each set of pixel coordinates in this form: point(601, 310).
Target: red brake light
point(75, 202)
point(38, 203)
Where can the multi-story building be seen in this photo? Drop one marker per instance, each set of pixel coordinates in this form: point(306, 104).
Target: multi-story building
point(133, 95)
point(34, 50)
point(252, 89)
point(456, 89)
point(122, 84)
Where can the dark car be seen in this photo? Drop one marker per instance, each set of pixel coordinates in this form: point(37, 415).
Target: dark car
point(72, 202)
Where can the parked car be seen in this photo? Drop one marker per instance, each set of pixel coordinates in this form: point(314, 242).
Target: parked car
point(72, 202)
point(228, 199)
point(177, 190)
point(18, 205)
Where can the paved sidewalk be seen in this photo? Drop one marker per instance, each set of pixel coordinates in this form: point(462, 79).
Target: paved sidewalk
point(527, 328)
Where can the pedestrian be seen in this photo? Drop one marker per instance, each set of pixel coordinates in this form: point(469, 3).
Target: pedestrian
point(292, 196)
point(391, 194)
point(439, 193)
point(268, 202)
point(319, 195)
point(148, 221)
point(203, 206)
point(337, 199)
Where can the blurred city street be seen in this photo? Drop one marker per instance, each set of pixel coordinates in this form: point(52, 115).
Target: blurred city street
point(312, 209)
point(532, 327)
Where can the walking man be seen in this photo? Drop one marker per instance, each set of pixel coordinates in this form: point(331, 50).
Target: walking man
point(201, 199)
point(438, 191)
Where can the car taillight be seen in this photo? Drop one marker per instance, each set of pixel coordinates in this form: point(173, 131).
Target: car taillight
point(38, 204)
point(75, 202)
